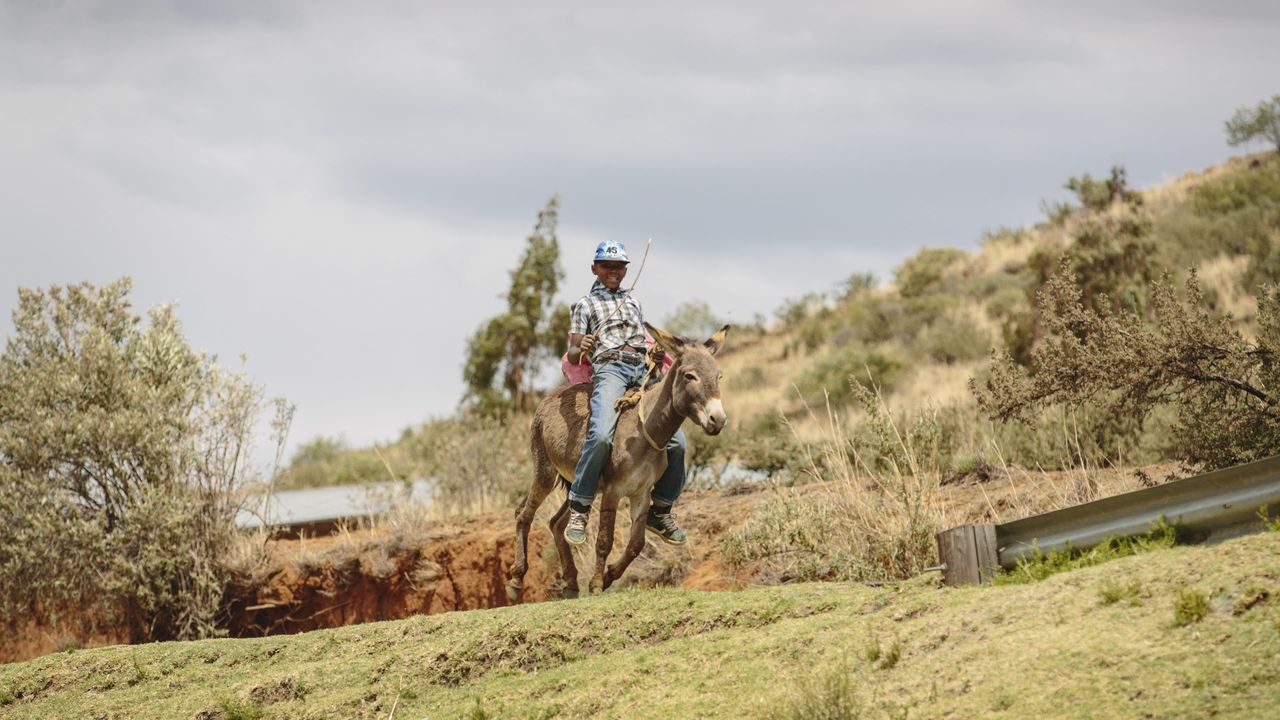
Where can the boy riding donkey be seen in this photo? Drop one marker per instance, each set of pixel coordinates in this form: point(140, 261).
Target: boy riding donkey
point(607, 326)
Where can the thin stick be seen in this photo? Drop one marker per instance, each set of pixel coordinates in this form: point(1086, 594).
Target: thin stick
point(582, 359)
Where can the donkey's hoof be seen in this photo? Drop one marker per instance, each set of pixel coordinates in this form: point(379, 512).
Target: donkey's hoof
point(514, 590)
point(561, 590)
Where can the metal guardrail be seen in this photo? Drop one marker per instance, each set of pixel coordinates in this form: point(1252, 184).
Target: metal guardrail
point(1218, 504)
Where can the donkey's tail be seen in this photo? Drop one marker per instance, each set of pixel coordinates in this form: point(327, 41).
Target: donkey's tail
point(535, 435)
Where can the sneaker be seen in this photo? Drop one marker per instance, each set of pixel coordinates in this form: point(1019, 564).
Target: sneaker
point(664, 524)
point(575, 533)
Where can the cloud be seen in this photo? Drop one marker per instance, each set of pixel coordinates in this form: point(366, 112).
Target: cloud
point(339, 190)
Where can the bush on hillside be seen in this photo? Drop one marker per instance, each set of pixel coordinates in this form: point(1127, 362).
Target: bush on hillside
point(1098, 195)
point(1225, 388)
point(927, 271)
point(693, 319)
point(856, 285)
point(121, 452)
point(478, 463)
point(871, 368)
point(1056, 212)
point(794, 310)
point(707, 458)
point(765, 445)
point(871, 319)
point(1087, 436)
point(954, 339)
point(1232, 213)
point(1253, 187)
point(1240, 215)
point(1114, 262)
point(324, 462)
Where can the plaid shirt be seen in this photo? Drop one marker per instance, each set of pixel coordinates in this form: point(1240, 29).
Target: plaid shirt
point(624, 328)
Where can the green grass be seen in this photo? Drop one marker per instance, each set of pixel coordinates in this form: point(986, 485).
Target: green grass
point(1189, 607)
point(1042, 565)
point(797, 651)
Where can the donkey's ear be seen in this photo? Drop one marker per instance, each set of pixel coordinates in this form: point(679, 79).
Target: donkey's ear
point(666, 340)
point(715, 342)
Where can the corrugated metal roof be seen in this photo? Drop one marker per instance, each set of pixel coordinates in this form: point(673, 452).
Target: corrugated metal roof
point(330, 504)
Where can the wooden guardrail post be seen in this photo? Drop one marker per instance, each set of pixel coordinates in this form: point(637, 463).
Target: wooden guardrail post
point(968, 554)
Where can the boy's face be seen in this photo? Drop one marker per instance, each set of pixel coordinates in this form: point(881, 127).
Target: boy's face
point(609, 273)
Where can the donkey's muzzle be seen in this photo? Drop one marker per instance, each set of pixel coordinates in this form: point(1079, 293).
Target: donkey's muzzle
point(712, 419)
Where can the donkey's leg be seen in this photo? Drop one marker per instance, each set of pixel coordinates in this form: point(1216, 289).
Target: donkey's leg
point(604, 541)
point(544, 479)
point(639, 508)
point(568, 571)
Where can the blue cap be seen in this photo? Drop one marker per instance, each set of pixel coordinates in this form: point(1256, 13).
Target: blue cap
point(610, 251)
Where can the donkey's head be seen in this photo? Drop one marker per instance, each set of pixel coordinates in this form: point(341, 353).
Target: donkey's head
point(696, 378)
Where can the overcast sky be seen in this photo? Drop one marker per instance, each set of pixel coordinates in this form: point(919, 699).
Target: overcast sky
point(338, 190)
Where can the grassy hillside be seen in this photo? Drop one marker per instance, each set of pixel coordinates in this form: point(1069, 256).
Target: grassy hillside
point(1182, 632)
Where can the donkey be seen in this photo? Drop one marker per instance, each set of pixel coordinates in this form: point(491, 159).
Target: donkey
point(691, 389)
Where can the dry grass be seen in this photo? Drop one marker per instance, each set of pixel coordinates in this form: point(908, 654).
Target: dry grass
point(766, 359)
point(860, 522)
point(1174, 191)
point(1003, 252)
point(1223, 276)
point(934, 384)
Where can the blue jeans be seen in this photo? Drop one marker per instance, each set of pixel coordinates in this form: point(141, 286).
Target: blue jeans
point(608, 383)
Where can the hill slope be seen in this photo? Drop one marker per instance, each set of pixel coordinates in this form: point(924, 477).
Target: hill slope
point(1100, 642)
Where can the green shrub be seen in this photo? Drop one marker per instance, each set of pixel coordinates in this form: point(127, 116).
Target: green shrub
point(1222, 385)
point(693, 319)
point(1256, 187)
point(1056, 213)
point(830, 695)
point(751, 378)
point(478, 462)
point(928, 271)
point(1189, 607)
point(326, 462)
point(1111, 593)
point(1087, 436)
point(765, 445)
point(1272, 523)
point(1042, 565)
point(795, 310)
point(1098, 195)
point(879, 368)
point(240, 710)
point(857, 285)
point(813, 333)
point(891, 655)
point(706, 459)
point(122, 507)
point(794, 533)
point(882, 657)
point(952, 340)
point(922, 441)
point(1238, 214)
